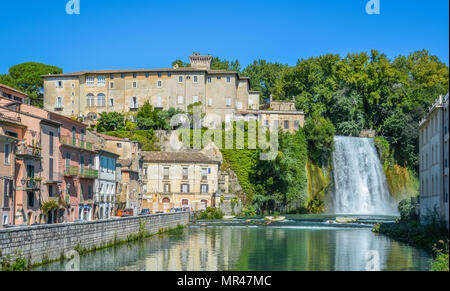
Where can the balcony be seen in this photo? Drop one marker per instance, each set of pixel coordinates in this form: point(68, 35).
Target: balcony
point(89, 173)
point(33, 183)
point(73, 142)
point(71, 171)
point(59, 107)
point(25, 151)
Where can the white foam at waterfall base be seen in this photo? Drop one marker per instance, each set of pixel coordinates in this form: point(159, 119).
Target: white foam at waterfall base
point(360, 183)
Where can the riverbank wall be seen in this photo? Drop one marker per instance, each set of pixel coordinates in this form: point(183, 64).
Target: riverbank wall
point(45, 243)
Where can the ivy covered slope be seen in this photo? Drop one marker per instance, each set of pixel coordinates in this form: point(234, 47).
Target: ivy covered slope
point(402, 181)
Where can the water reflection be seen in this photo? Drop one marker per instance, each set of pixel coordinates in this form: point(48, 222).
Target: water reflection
point(258, 248)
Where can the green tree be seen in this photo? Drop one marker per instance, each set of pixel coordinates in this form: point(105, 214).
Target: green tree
point(27, 78)
point(320, 137)
point(263, 76)
point(110, 121)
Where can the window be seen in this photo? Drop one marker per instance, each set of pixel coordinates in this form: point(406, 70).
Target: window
point(90, 100)
point(286, 124)
point(266, 123)
point(195, 79)
point(111, 76)
point(276, 124)
point(111, 85)
point(7, 154)
point(159, 75)
point(111, 102)
point(67, 162)
point(159, 84)
point(134, 103)
point(180, 79)
point(204, 188)
point(134, 84)
point(228, 79)
point(228, 101)
point(166, 188)
point(180, 99)
point(195, 99)
point(101, 100)
point(296, 125)
point(159, 102)
point(166, 173)
point(90, 81)
point(59, 102)
point(185, 173)
point(30, 199)
point(122, 75)
point(209, 80)
point(204, 174)
point(51, 145)
point(209, 101)
point(147, 75)
point(134, 75)
point(185, 188)
point(169, 74)
point(239, 105)
point(101, 81)
point(59, 84)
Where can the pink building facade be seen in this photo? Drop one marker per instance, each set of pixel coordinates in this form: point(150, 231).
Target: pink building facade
point(77, 168)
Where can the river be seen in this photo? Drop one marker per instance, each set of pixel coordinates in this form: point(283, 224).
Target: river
point(308, 244)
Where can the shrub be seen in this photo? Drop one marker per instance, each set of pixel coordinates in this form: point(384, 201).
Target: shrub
point(407, 210)
point(210, 213)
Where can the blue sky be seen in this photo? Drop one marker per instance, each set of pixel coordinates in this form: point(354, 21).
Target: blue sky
point(118, 34)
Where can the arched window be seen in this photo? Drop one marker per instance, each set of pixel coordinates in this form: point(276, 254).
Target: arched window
point(101, 100)
point(166, 200)
point(90, 100)
point(185, 202)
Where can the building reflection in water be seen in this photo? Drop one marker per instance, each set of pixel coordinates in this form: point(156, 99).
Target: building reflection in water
point(256, 248)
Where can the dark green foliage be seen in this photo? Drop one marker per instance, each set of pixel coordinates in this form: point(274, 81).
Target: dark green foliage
point(157, 119)
point(210, 213)
point(369, 91)
point(263, 76)
point(110, 121)
point(320, 136)
point(407, 210)
point(27, 78)
point(281, 183)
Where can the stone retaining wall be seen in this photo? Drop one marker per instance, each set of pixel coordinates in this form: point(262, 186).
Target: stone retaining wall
point(49, 242)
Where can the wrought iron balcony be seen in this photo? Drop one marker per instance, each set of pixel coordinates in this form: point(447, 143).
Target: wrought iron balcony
point(26, 151)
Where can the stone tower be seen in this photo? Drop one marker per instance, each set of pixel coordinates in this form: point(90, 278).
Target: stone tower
point(200, 62)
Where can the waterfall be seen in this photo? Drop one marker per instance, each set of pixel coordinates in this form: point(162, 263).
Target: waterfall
point(360, 183)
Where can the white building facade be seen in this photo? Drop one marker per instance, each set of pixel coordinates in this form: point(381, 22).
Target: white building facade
point(105, 186)
point(433, 164)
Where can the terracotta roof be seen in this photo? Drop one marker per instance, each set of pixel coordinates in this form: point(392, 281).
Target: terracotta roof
point(177, 157)
point(14, 90)
point(108, 137)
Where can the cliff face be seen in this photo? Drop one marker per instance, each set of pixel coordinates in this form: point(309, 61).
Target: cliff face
point(402, 181)
point(319, 185)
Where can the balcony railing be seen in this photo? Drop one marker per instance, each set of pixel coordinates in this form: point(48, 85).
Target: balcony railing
point(70, 141)
point(89, 173)
point(71, 171)
point(25, 150)
point(33, 184)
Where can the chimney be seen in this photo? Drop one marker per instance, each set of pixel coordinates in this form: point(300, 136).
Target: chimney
point(200, 62)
